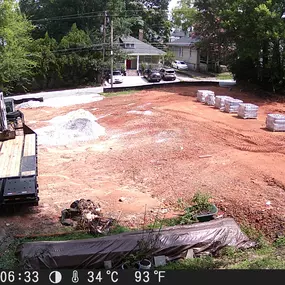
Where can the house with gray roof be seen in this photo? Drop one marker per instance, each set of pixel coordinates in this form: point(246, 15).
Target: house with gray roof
point(139, 52)
point(176, 35)
point(185, 49)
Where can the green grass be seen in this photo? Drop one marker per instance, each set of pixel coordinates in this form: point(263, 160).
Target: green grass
point(224, 75)
point(206, 262)
point(265, 255)
point(9, 261)
point(113, 94)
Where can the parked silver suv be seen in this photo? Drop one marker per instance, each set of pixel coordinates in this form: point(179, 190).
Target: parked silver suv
point(167, 73)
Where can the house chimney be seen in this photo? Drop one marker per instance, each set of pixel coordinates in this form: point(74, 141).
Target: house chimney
point(140, 34)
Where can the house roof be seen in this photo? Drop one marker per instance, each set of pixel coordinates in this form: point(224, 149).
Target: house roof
point(185, 41)
point(139, 47)
point(178, 33)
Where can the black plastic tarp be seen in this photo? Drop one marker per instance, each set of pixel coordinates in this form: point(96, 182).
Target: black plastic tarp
point(173, 242)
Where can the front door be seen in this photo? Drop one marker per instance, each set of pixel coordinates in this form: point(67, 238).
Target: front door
point(129, 64)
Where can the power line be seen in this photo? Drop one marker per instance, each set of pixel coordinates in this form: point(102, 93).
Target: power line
point(92, 14)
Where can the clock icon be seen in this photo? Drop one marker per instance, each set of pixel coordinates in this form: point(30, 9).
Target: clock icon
point(55, 277)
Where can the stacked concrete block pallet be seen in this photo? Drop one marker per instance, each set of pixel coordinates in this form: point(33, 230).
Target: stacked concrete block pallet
point(247, 111)
point(275, 122)
point(202, 94)
point(220, 101)
point(210, 99)
point(232, 105)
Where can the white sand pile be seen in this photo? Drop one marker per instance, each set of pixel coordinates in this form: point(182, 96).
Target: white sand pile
point(79, 125)
point(62, 101)
point(147, 113)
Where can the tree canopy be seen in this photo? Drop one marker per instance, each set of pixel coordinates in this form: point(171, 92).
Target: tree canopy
point(16, 59)
point(251, 31)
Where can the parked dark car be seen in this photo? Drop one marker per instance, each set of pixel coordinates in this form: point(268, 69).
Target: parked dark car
point(152, 75)
point(167, 73)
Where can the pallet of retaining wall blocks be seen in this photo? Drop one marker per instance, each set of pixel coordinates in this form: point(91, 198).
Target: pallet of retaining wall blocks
point(247, 111)
point(275, 122)
point(201, 95)
point(231, 105)
point(210, 99)
point(220, 101)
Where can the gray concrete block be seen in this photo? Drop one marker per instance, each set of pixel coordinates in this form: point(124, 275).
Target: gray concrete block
point(159, 260)
point(190, 254)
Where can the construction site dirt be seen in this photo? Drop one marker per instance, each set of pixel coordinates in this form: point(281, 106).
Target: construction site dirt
point(161, 146)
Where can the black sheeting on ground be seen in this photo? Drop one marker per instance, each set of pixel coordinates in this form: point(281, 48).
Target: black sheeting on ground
point(173, 242)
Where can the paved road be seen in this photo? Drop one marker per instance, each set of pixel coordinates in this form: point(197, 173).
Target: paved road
point(128, 82)
point(62, 93)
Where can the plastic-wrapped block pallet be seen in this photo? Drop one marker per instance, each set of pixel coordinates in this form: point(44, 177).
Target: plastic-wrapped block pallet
point(210, 99)
point(275, 122)
point(202, 94)
point(220, 101)
point(247, 111)
point(231, 105)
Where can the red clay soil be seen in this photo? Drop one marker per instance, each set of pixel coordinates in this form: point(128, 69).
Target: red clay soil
point(152, 159)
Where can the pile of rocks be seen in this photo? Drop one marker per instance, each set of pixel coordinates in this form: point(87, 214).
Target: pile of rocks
point(220, 102)
point(232, 105)
point(86, 215)
point(247, 111)
point(202, 94)
point(275, 122)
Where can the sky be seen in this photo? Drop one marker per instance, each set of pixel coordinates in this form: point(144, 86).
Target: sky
point(172, 4)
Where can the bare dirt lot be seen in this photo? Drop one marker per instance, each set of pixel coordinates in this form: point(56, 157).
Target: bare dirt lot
point(152, 159)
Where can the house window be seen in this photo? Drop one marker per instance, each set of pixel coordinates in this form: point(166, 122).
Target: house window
point(129, 45)
point(181, 51)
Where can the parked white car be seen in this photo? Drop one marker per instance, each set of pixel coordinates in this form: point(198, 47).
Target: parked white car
point(179, 64)
point(117, 77)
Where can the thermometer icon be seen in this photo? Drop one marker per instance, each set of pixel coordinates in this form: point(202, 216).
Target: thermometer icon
point(75, 277)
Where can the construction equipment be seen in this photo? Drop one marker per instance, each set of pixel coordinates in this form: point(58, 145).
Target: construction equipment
point(18, 157)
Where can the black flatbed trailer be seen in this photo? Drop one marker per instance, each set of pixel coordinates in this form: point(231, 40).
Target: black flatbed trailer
point(18, 165)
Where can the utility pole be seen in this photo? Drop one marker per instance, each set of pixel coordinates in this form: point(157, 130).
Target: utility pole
point(103, 47)
point(112, 52)
point(104, 34)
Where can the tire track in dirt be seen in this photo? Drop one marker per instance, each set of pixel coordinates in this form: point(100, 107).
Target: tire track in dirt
point(231, 137)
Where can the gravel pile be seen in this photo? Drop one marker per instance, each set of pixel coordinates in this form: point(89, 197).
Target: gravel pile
point(79, 125)
point(62, 101)
point(247, 111)
point(275, 122)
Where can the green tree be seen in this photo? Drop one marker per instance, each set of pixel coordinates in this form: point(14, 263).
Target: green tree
point(183, 16)
point(152, 17)
point(47, 70)
point(252, 30)
point(16, 59)
point(77, 60)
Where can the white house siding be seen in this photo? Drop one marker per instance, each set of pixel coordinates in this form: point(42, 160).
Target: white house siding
point(148, 60)
point(187, 54)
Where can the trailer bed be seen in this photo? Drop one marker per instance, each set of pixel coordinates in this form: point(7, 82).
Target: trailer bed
point(18, 168)
point(17, 156)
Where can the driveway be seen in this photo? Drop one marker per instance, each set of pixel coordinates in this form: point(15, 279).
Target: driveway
point(137, 81)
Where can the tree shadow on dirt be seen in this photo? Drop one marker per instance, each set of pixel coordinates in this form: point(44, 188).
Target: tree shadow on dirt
point(17, 210)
